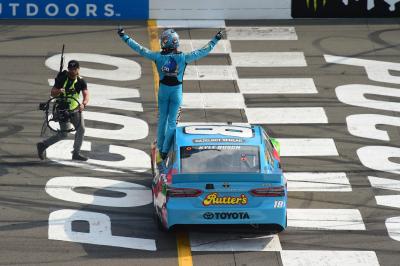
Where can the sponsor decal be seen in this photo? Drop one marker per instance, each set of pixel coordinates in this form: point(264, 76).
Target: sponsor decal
point(60, 9)
point(226, 215)
point(231, 140)
point(345, 8)
point(208, 215)
point(218, 147)
point(279, 204)
point(215, 199)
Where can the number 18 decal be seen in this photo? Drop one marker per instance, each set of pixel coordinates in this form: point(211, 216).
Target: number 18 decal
point(279, 204)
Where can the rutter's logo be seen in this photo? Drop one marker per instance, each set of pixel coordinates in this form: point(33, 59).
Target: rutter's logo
point(215, 199)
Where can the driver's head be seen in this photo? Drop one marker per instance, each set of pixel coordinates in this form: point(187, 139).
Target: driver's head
point(169, 40)
point(73, 68)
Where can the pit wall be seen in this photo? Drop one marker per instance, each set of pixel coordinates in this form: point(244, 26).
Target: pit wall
point(200, 10)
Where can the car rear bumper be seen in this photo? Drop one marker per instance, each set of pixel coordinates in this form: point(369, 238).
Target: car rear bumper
point(178, 216)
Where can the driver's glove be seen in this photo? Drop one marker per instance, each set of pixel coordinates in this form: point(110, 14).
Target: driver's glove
point(121, 32)
point(219, 35)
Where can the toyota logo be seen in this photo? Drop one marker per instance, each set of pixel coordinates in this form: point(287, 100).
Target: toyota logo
point(208, 215)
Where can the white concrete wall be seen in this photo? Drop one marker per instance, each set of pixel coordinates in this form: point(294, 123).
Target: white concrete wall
point(220, 9)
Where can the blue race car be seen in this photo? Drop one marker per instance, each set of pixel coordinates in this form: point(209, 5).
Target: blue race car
point(220, 174)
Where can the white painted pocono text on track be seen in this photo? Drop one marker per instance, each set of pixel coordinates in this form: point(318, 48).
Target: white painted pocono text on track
point(384, 183)
point(134, 160)
point(64, 188)
point(126, 69)
point(105, 96)
point(60, 228)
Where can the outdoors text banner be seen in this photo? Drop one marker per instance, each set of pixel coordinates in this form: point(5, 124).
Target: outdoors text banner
point(74, 9)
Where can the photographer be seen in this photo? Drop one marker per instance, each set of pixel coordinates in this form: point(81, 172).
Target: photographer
point(70, 84)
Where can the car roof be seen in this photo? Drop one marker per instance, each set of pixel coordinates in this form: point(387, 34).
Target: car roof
point(218, 134)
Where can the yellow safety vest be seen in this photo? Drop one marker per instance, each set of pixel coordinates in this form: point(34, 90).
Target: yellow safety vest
point(71, 92)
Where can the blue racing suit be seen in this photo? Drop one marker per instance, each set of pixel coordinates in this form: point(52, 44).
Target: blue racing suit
point(171, 67)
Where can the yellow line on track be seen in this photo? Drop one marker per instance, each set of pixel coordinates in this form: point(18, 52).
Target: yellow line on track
point(182, 238)
point(184, 251)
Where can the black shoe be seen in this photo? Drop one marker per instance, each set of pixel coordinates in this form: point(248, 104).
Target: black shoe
point(41, 150)
point(163, 155)
point(78, 157)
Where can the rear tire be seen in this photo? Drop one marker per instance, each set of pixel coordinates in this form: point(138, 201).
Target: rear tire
point(153, 148)
point(152, 164)
point(158, 222)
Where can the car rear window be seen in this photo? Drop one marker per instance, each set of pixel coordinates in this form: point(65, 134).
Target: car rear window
point(220, 158)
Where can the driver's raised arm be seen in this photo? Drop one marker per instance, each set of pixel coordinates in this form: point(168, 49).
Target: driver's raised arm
point(205, 50)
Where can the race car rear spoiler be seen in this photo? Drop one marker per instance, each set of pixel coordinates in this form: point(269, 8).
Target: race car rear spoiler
point(226, 177)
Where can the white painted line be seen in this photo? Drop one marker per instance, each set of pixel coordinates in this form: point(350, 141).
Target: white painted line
point(222, 47)
point(269, 59)
point(213, 101)
point(277, 86)
point(261, 33)
point(328, 182)
point(328, 258)
point(308, 147)
point(196, 23)
point(392, 201)
point(326, 219)
point(384, 183)
point(233, 242)
point(393, 227)
point(212, 123)
point(291, 115)
point(204, 72)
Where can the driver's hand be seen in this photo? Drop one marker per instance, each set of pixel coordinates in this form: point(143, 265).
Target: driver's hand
point(81, 107)
point(121, 31)
point(219, 35)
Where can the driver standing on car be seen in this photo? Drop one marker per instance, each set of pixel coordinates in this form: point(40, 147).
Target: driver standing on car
point(171, 64)
point(70, 84)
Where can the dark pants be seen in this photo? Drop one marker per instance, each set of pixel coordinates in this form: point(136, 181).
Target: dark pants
point(79, 134)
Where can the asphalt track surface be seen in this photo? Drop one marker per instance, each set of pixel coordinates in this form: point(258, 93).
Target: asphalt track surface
point(25, 206)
